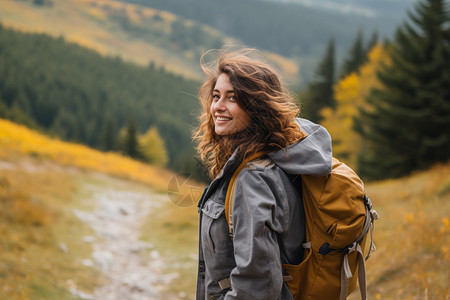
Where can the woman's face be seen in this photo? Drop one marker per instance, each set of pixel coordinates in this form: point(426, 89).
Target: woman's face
point(228, 117)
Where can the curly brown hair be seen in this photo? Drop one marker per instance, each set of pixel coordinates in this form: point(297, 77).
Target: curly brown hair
point(259, 92)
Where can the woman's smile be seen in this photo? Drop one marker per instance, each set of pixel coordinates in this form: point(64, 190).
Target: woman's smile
point(222, 119)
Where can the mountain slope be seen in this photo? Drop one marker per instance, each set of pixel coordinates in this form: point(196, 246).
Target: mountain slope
point(296, 31)
point(75, 92)
point(85, 23)
point(136, 33)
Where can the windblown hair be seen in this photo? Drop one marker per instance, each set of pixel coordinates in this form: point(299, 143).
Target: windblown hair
point(260, 92)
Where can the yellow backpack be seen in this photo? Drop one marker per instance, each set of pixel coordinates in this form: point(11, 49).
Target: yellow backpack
point(338, 218)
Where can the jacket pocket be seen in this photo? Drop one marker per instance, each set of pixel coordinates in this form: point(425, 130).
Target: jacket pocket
point(215, 236)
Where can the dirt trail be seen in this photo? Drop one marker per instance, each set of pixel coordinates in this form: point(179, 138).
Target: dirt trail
point(132, 268)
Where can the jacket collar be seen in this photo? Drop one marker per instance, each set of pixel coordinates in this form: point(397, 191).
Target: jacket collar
point(227, 170)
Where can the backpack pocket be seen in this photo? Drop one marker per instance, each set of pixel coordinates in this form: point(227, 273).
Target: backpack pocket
point(298, 274)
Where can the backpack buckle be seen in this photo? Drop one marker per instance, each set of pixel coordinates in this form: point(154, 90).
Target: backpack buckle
point(325, 249)
point(367, 202)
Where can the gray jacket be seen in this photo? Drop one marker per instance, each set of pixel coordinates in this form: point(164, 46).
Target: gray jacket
point(268, 218)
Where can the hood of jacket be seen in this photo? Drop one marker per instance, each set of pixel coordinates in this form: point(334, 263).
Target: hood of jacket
point(310, 156)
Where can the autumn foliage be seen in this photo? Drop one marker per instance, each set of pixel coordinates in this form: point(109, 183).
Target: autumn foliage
point(350, 94)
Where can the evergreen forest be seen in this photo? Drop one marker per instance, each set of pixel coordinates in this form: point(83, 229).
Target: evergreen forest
point(77, 94)
point(388, 111)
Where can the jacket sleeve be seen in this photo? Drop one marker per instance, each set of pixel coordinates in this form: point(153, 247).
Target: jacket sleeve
point(257, 217)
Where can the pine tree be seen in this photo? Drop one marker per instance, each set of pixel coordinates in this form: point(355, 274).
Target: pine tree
point(356, 56)
point(407, 126)
point(130, 143)
point(319, 93)
point(370, 44)
point(108, 134)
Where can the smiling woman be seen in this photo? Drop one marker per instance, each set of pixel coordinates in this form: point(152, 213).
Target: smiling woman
point(246, 113)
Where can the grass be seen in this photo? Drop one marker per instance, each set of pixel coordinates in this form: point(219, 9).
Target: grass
point(40, 180)
point(35, 220)
point(174, 232)
point(412, 260)
point(21, 140)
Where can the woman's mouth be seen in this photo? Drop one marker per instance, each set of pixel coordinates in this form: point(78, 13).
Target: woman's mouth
point(222, 119)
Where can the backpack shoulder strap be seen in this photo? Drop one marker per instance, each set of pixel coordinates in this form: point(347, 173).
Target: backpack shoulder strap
point(229, 199)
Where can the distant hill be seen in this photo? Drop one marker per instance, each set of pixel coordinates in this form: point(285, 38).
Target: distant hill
point(296, 31)
point(136, 33)
point(173, 33)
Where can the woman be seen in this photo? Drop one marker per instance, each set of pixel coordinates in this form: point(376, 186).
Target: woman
point(247, 110)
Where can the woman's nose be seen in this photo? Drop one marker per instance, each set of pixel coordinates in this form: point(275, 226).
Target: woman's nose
point(220, 105)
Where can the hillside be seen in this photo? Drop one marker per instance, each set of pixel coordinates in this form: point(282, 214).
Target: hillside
point(300, 32)
point(67, 210)
point(412, 236)
point(136, 33)
point(78, 95)
point(412, 260)
point(101, 26)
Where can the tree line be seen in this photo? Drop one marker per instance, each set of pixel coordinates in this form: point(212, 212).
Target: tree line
point(389, 108)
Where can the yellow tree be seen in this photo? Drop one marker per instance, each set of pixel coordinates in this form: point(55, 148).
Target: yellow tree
point(350, 94)
point(153, 148)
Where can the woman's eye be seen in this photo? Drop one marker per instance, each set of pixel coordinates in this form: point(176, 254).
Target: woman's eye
point(215, 97)
point(232, 98)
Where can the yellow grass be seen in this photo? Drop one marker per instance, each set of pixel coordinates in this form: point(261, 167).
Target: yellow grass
point(38, 191)
point(19, 139)
point(35, 220)
point(412, 236)
point(16, 139)
point(174, 232)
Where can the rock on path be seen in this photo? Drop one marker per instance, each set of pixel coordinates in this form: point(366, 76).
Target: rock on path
point(132, 268)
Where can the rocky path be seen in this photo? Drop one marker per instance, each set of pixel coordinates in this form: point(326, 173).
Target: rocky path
point(132, 268)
